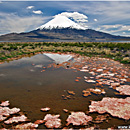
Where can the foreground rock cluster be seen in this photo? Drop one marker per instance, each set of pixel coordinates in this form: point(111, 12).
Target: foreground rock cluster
point(13, 116)
point(20, 121)
point(116, 107)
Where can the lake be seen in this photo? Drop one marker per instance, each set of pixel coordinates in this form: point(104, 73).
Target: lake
point(39, 81)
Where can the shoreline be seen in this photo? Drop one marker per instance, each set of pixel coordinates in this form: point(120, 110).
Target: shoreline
point(115, 51)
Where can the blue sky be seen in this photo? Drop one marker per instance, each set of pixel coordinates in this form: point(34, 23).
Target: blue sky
point(107, 16)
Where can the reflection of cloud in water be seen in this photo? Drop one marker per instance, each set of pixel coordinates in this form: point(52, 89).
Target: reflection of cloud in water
point(58, 58)
point(32, 70)
point(2, 75)
point(38, 66)
point(36, 59)
point(39, 83)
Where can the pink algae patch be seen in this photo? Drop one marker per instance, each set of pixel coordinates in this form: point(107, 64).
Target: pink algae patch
point(124, 89)
point(116, 107)
point(52, 121)
point(78, 118)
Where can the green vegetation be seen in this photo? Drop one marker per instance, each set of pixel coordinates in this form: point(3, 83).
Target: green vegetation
point(117, 51)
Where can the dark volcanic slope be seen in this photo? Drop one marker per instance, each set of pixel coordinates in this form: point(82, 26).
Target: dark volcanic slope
point(66, 34)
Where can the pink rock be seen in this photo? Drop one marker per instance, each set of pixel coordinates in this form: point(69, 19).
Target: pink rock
point(84, 70)
point(90, 81)
point(85, 77)
point(65, 110)
point(115, 84)
point(52, 121)
point(99, 70)
point(98, 76)
point(116, 107)
point(97, 90)
point(124, 89)
point(92, 73)
point(6, 111)
point(45, 109)
point(124, 80)
point(26, 126)
point(39, 121)
point(85, 67)
point(111, 74)
point(65, 128)
point(4, 103)
point(17, 119)
point(90, 128)
point(2, 118)
point(78, 118)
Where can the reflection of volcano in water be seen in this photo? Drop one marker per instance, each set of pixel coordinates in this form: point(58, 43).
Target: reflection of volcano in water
point(58, 58)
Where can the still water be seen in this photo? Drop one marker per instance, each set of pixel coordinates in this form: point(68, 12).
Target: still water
point(24, 83)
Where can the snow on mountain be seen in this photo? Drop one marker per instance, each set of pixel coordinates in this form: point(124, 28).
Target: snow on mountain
point(59, 22)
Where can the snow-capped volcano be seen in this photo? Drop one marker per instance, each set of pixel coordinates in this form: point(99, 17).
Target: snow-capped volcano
point(61, 22)
point(65, 26)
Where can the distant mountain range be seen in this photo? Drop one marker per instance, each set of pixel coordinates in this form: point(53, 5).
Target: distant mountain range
point(62, 28)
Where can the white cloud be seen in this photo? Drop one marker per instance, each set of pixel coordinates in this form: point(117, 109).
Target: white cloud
point(79, 18)
point(111, 26)
point(30, 7)
point(124, 26)
point(115, 29)
point(95, 20)
point(108, 12)
point(13, 23)
point(98, 29)
point(37, 12)
point(118, 27)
